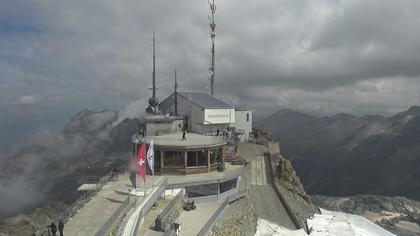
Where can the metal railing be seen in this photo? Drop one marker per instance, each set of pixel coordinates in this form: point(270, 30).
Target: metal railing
point(203, 231)
point(149, 204)
point(107, 226)
point(127, 216)
point(88, 180)
point(145, 209)
point(226, 175)
point(78, 204)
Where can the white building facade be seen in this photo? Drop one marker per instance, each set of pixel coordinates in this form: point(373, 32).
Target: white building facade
point(204, 114)
point(243, 124)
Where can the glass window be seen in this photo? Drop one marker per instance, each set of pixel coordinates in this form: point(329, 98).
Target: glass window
point(228, 185)
point(202, 190)
point(157, 160)
point(192, 159)
point(247, 117)
point(213, 157)
point(174, 159)
point(202, 158)
point(218, 155)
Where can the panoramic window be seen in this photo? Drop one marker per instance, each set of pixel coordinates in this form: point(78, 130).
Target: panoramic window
point(228, 185)
point(201, 190)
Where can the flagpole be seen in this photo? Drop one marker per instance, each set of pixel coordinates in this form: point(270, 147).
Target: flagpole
point(145, 169)
point(135, 158)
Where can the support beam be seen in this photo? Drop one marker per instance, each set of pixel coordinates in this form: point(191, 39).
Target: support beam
point(223, 150)
point(162, 159)
point(208, 160)
point(196, 158)
point(185, 160)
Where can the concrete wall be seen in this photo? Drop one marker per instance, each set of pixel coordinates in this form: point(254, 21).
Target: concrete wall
point(243, 125)
point(164, 126)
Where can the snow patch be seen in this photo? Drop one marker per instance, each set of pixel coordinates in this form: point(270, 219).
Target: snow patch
point(337, 223)
point(265, 228)
point(328, 223)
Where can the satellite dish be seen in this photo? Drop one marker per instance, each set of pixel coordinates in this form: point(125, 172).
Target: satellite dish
point(153, 102)
point(149, 110)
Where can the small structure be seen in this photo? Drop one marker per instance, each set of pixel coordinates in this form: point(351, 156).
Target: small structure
point(197, 154)
point(243, 123)
point(164, 124)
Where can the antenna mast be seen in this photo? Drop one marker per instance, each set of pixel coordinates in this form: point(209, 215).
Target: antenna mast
point(213, 38)
point(176, 95)
point(154, 65)
point(153, 101)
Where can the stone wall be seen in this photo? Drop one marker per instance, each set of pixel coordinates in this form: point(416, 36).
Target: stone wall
point(171, 212)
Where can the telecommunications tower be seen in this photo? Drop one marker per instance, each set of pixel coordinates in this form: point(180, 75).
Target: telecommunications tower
point(153, 101)
point(213, 38)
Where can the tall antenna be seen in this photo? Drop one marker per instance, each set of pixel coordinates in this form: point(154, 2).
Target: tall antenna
point(176, 95)
point(153, 101)
point(154, 65)
point(213, 38)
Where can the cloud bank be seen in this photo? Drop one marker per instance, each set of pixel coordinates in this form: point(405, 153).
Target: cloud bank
point(321, 56)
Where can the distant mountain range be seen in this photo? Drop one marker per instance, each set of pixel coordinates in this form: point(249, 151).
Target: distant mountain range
point(347, 155)
point(48, 170)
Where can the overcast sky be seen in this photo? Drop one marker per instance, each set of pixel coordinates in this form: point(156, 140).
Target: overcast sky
point(323, 56)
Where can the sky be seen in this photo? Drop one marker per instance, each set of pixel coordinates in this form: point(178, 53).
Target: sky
point(320, 56)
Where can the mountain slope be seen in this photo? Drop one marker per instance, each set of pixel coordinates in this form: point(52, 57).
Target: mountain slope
point(48, 170)
point(347, 155)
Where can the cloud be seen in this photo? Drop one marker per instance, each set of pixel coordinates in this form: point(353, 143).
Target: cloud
point(73, 55)
point(27, 99)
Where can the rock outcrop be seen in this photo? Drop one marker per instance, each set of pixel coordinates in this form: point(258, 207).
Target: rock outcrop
point(287, 177)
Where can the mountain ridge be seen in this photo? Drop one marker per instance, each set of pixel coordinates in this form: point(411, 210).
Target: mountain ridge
point(347, 155)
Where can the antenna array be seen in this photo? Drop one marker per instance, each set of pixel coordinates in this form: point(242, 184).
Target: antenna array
point(213, 38)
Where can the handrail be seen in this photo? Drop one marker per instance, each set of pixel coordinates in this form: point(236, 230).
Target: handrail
point(105, 228)
point(168, 208)
point(145, 209)
point(149, 204)
point(163, 215)
point(71, 210)
point(213, 218)
point(227, 175)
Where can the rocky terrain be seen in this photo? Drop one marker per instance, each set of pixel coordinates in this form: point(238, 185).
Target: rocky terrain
point(28, 224)
point(396, 214)
point(238, 219)
point(91, 144)
point(291, 210)
point(346, 155)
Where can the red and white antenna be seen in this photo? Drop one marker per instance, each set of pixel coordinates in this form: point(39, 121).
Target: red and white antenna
point(213, 38)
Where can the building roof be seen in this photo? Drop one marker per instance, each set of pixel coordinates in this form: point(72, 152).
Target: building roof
point(203, 100)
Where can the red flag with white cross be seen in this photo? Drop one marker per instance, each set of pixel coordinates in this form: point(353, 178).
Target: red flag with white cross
point(141, 162)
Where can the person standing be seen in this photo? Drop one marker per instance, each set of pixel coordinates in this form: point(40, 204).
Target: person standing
point(53, 228)
point(183, 136)
point(61, 228)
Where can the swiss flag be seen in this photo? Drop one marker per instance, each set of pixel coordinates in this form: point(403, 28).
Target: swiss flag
point(141, 162)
